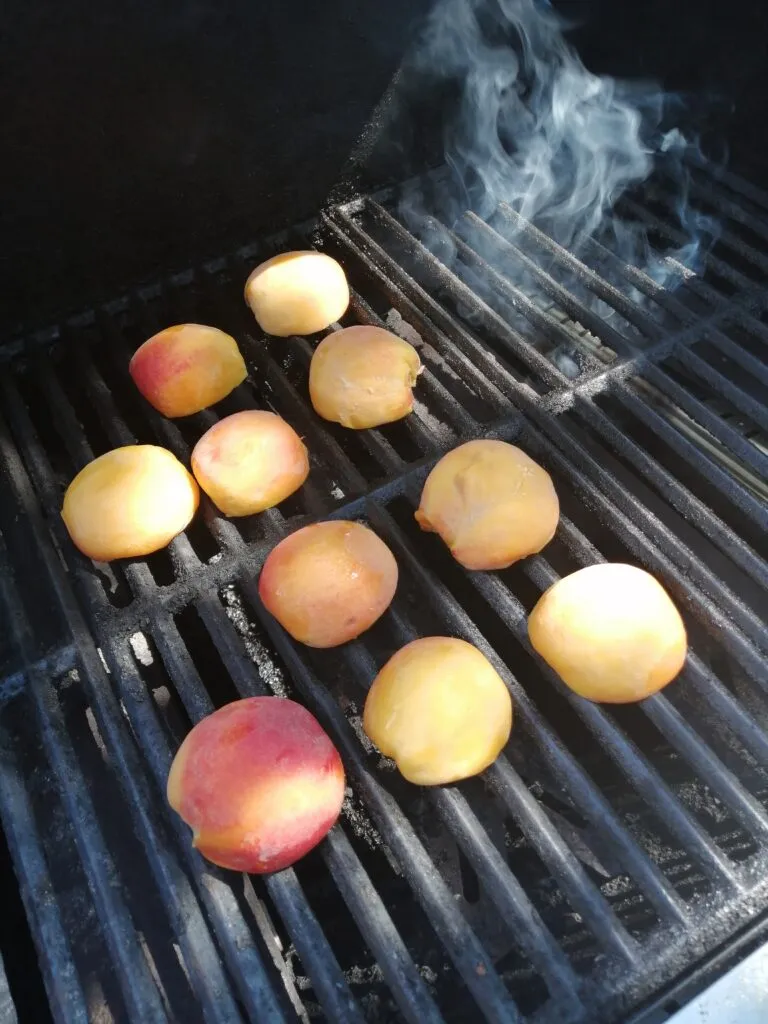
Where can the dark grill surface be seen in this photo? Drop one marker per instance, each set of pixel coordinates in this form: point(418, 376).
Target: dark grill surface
point(608, 849)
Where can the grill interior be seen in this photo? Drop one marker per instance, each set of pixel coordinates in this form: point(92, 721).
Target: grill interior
point(609, 849)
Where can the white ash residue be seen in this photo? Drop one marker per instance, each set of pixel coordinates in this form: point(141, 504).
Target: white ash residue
point(141, 650)
point(395, 322)
point(269, 672)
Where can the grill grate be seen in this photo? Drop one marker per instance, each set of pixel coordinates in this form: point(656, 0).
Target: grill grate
point(608, 849)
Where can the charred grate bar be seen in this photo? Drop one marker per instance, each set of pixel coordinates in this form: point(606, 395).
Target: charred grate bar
point(608, 850)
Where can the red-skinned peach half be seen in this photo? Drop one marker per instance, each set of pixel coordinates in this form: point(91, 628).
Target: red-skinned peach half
point(187, 368)
point(129, 502)
point(250, 461)
point(440, 709)
point(297, 293)
point(259, 783)
point(327, 583)
point(490, 503)
point(363, 377)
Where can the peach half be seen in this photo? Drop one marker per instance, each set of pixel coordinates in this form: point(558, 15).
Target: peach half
point(250, 461)
point(259, 783)
point(490, 503)
point(327, 583)
point(440, 709)
point(611, 632)
point(297, 293)
point(363, 377)
point(186, 368)
point(129, 502)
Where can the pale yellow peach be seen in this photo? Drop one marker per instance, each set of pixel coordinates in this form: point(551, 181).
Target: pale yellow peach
point(297, 293)
point(129, 502)
point(611, 632)
point(440, 710)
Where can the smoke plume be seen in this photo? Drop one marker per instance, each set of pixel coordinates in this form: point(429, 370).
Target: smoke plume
point(534, 129)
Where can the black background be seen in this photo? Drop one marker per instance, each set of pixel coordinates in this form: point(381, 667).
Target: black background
point(143, 136)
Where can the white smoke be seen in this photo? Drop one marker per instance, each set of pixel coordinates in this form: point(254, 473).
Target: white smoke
point(536, 130)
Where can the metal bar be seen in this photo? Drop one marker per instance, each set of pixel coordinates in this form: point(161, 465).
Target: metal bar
point(527, 929)
point(717, 427)
point(62, 984)
point(460, 942)
point(564, 767)
point(538, 363)
point(625, 515)
point(544, 838)
point(745, 403)
point(209, 982)
point(631, 311)
point(546, 323)
point(718, 266)
point(730, 488)
point(212, 884)
point(679, 497)
point(284, 887)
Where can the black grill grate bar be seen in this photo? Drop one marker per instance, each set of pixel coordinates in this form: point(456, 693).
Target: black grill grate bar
point(232, 931)
point(355, 886)
point(377, 927)
point(464, 354)
point(547, 841)
point(672, 234)
point(718, 178)
point(752, 408)
point(657, 192)
point(733, 491)
point(713, 192)
point(136, 983)
point(459, 940)
point(757, 329)
point(486, 315)
point(243, 673)
point(631, 311)
point(538, 317)
point(623, 513)
point(603, 289)
point(725, 707)
point(564, 767)
point(524, 922)
point(191, 930)
point(614, 339)
point(62, 984)
point(678, 496)
point(284, 887)
point(698, 411)
point(645, 779)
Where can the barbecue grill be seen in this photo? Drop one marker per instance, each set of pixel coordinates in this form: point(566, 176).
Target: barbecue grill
point(614, 858)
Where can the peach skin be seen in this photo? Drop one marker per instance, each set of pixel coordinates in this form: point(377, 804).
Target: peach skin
point(250, 461)
point(490, 503)
point(129, 502)
point(259, 783)
point(186, 368)
point(363, 377)
point(327, 583)
point(440, 709)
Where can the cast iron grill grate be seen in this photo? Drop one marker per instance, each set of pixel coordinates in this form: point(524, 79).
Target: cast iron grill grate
point(608, 850)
